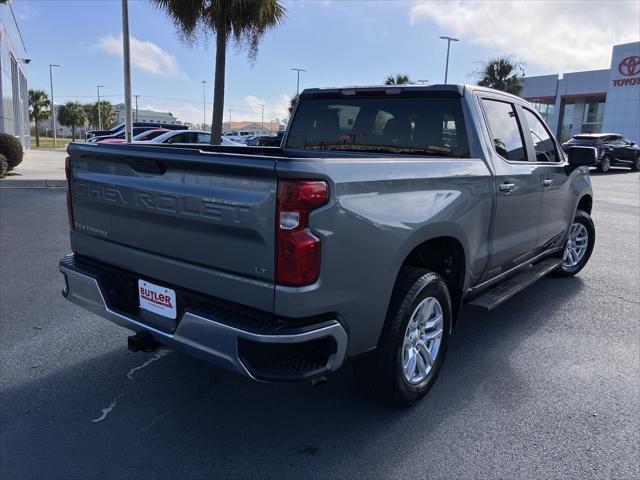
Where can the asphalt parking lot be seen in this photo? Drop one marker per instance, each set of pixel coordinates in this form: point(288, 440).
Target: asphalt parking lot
point(548, 386)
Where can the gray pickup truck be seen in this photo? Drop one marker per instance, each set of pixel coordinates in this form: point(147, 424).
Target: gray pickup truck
point(385, 209)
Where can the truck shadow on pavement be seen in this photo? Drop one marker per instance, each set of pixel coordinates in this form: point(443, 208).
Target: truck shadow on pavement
point(181, 418)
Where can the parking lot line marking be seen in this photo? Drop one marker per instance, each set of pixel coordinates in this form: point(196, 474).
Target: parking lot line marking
point(157, 356)
point(107, 411)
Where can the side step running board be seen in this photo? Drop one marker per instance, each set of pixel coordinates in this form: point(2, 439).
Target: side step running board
point(508, 288)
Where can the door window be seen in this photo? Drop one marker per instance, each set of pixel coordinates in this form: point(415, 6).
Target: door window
point(505, 130)
point(543, 144)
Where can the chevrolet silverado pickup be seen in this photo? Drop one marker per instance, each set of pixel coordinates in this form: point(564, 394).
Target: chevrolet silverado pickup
point(358, 240)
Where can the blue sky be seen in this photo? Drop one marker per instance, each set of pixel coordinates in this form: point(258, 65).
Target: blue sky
point(339, 42)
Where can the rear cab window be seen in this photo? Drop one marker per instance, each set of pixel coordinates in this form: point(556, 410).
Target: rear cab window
point(431, 125)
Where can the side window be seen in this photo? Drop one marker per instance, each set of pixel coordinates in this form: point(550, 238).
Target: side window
point(180, 138)
point(505, 130)
point(542, 142)
point(204, 138)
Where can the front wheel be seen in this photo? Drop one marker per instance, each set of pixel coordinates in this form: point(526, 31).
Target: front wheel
point(413, 342)
point(580, 242)
point(636, 165)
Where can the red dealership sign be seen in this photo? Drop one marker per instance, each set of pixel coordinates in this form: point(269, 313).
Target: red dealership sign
point(630, 68)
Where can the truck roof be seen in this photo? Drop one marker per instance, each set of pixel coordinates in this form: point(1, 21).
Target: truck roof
point(396, 89)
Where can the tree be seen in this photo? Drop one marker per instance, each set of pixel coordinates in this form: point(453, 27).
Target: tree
point(293, 102)
point(502, 73)
point(72, 114)
point(39, 109)
point(107, 114)
point(245, 21)
point(398, 79)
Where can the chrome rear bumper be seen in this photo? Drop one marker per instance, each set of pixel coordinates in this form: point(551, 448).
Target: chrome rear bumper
point(209, 338)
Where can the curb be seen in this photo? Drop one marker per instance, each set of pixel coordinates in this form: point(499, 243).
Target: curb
point(32, 183)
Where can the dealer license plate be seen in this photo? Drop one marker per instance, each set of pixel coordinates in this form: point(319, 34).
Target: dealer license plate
point(157, 299)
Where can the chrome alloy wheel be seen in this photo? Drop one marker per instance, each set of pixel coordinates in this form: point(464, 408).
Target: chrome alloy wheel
point(576, 247)
point(422, 340)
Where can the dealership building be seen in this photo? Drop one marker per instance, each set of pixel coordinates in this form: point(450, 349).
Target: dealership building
point(594, 101)
point(14, 106)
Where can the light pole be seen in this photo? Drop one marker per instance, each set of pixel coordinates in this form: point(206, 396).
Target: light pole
point(262, 105)
point(99, 117)
point(126, 51)
point(204, 104)
point(53, 105)
point(446, 68)
point(136, 117)
point(298, 82)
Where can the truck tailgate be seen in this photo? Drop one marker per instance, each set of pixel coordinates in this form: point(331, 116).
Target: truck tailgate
point(199, 220)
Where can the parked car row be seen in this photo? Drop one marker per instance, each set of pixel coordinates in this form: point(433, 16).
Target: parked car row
point(251, 139)
point(94, 134)
point(273, 140)
point(164, 135)
point(613, 150)
point(161, 133)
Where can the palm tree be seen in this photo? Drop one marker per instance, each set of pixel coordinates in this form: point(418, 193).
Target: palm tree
point(107, 114)
point(398, 79)
point(72, 114)
point(245, 21)
point(39, 109)
point(293, 102)
point(502, 73)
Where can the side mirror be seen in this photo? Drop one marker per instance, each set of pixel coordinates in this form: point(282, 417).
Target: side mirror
point(582, 156)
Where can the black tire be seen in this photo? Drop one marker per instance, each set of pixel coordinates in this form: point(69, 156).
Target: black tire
point(583, 218)
point(605, 164)
point(635, 166)
point(381, 371)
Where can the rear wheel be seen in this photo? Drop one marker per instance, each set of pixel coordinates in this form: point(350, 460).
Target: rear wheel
point(579, 246)
point(605, 164)
point(413, 341)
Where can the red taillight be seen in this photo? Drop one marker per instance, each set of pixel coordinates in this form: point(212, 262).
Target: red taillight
point(297, 249)
point(67, 172)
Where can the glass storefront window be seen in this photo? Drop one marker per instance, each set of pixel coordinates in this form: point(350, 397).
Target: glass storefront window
point(593, 114)
point(566, 110)
point(544, 108)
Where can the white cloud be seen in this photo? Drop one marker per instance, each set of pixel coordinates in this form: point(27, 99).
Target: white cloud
point(183, 110)
point(275, 108)
point(562, 36)
point(145, 56)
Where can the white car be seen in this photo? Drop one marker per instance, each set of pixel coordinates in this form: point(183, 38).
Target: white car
point(191, 136)
point(240, 137)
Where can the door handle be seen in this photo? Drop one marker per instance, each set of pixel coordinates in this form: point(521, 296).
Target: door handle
point(547, 182)
point(506, 187)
